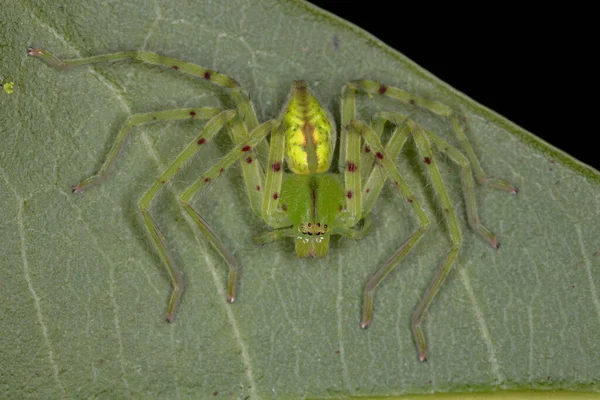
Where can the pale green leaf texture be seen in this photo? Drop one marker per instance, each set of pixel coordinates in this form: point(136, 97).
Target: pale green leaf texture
point(84, 294)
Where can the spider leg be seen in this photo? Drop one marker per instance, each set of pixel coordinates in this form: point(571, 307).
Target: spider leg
point(424, 148)
point(271, 214)
point(354, 233)
point(372, 187)
point(466, 173)
point(135, 120)
point(211, 128)
point(371, 88)
point(350, 137)
point(239, 96)
point(387, 162)
point(272, 236)
point(212, 174)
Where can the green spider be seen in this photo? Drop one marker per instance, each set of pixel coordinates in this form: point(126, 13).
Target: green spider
point(309, 203)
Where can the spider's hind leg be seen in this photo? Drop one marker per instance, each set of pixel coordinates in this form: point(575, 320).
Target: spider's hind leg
point(424, 148)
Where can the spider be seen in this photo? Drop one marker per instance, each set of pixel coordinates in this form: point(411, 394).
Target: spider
point(307, 202)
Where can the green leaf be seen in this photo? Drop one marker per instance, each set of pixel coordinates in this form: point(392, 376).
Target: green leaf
point(84, 294)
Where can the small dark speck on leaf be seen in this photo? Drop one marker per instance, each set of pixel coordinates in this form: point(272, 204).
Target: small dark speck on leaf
point(336, 42)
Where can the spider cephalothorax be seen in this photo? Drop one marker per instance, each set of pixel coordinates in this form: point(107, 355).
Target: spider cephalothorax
point(311, 202)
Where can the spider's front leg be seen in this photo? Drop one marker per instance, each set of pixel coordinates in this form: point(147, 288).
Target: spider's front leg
point(377, 88)
point(240, 97)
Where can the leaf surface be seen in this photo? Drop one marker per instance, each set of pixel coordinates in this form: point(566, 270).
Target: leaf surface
point(84, 294)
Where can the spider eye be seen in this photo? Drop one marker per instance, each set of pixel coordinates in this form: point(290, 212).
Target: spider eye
point(325, 226)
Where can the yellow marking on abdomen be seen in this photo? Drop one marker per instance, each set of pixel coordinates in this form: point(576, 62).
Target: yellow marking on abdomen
point(309, 132)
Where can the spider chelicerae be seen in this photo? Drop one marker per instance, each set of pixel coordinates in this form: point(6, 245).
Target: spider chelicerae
point(307, 202)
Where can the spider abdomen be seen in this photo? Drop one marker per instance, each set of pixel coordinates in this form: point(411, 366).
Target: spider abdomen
point(309, 132)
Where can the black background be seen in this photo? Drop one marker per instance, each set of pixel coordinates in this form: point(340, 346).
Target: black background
point(536, 67)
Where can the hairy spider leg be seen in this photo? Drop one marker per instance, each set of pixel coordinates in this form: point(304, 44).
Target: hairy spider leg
point(404, 190)
point(439, 187)
point(239, 96)
point(377, 177)
point(211, 128)
point(374, 88)
point(466, 173)
point(239, 151)
point(423, 142)
point(252, 171)
point(135, 120)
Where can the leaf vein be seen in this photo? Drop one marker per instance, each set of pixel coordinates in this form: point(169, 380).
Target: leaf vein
point(482, 327)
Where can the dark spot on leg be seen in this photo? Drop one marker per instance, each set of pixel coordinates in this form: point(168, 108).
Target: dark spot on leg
point(207, 179)
point(154, 118)
point(201, 141)
point(379, 155)
point(275, 196)
point(367, 190)
point(412, 101)
point(397, 184)
point(276, 166)
point(382, 89)
point(367, 149)
point(207, 75)
point(215, 393)
point(410, 200)
point(284, 207)
point(222, 170)
point(427, 160)
point(249, 160)
point(351, 166)
point(192, 114)
point(258, 188)
point(246, 148)
point(162, 181)
point(349, 194)
point(175, 67)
